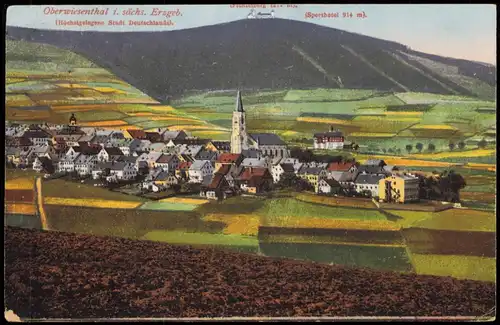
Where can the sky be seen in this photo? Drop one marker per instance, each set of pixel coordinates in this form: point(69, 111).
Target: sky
point(465, 31)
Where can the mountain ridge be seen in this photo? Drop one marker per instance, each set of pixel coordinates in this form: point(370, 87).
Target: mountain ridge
point(245, 54)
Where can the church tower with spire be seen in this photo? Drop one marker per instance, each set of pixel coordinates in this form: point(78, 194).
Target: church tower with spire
point(239, 137)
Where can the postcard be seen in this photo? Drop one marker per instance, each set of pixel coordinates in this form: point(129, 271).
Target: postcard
point(246, 161)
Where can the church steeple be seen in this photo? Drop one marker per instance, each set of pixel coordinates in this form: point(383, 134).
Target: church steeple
point(239, 103)
point(239, 133)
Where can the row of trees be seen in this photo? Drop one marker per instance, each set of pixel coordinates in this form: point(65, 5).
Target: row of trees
point(446, 187)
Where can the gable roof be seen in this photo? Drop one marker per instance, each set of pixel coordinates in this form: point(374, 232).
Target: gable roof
point(137, 134)
point(165, 159)
point(267, 139)
point(374, 162)
point(222, 145)
point(251, 153)
point(340, 166)
point(288, 168)
point(217, 182)
point(334, 134)
point(250, 172)
point(311, 170)
point(206, 155)
point(185, 164)
point(331, 182)
point(229, 158)
point(198, 164)
point(368, 179)
point(113, 151)
point(224, 169)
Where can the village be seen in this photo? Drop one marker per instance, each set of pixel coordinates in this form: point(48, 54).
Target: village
point(174, 162)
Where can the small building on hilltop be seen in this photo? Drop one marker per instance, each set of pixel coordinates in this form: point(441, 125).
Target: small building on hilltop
point(329, 140)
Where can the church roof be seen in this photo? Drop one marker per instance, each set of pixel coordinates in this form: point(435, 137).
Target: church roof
point(239, 104)
point(267, 139)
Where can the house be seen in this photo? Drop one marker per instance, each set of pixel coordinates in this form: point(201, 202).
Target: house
point(199, 170)
point(217, 189)
point(312, 175)
point(192, 150)
point(135, 134)
point(206, 155)
point(173, 135)
point(390, 168)
point(263, 162)
point(67, 163)
point(38, 137)
point(138, 145)
point(399, 188)
point(228, 159)
point(373, 169)
point(115, 171)
point(149, 158)
point(231, 173)
point(218, 146)
point(375, 162)
point(185, 158)
point(336, 169)
point(85, 164)
point(333, 140)
point(328, 186)
point(346, 180)
point(158, 147)
point(182, 171)
point(278, 171)
point(43, 164)
point(269, 144)
point(13, 155)
point(153, 136)
point(368, 183)
point(167, 162)
point(255, 180)
point(109, 154)
point(156, 180)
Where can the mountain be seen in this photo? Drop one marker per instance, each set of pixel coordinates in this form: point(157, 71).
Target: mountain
point(267, 54)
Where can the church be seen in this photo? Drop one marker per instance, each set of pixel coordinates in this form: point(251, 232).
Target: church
point(269, 144)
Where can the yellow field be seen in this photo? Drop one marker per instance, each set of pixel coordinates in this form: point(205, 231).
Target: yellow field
point(162, 108)
point(372, 134)
point(142, 100)
point(313, 222)
point(458, 154)
point(434, 127)
point(109, 90)
point(244, 224)
point(404, 113)
point(184, 200)
point(21, 183)
point(195, 127)
point(457, 266)
point(323, 120)
point(141, 114)
point(74, 86)
point(91, 203)
point(174, 118)
point(18, 114)
point(20, 208)
point(411, 218)
point(105, 123)
point(12, 80)
point(289, 133)
point(460, 220)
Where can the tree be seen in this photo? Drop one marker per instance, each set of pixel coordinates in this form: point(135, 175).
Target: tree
point(384, 150)
point(482, 144)
point(390, 150)
point(451, 145)
point(355, 147)
point(450, 184)
point(398, 151)
point(431, 147)
point(409, 148)
point(461, 145)
point(419, 147)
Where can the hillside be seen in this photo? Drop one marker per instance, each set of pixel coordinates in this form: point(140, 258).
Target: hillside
point(267, 54)
point(63, 275)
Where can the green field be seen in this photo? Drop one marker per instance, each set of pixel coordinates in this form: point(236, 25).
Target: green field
point(193, 238)
point(67, 189)
point(168, 206)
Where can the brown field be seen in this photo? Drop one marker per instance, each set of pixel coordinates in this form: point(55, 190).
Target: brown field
point(26, 196)
point(92, 203)
point(61, 275)
point(479, 196)
point(20, 208)
point(105, 123)
point(24, 114)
